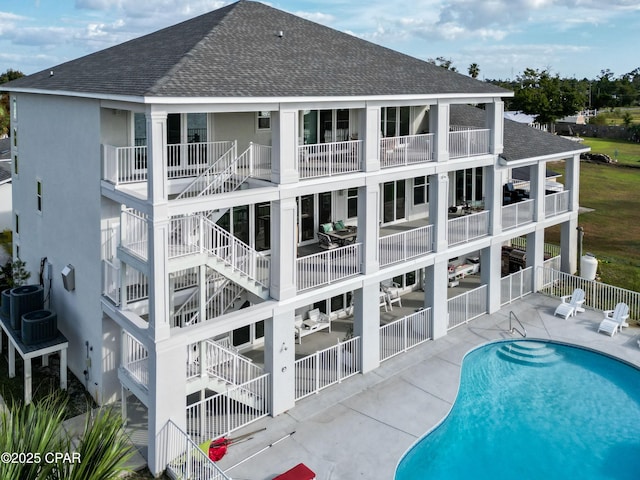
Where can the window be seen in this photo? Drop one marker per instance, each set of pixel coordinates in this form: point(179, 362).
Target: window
point(15, 164)
point(17, 229)
point(140, 129)
point(39, 195)
point(420, 191)
point(263, 226)
point(394, 121)
point(15, 137)
point(393, 201)
point(264, 120)
point(352, 203)
point(15, 109)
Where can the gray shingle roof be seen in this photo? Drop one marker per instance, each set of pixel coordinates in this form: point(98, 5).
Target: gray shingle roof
point(236, 51)
point(520, 140)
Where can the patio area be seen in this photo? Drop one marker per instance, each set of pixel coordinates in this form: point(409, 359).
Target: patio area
point(361, 428)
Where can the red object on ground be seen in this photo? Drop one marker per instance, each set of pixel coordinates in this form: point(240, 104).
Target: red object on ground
point(299, 472)
point(218, 448)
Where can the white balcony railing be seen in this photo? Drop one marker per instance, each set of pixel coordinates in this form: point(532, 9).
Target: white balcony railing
point(135, 359)
point(328, 159)
point(122, 165)
point(327, 367)
point(406, 150)
point(516, 285)
point(405, 333)
point(111, 281)
point(468, 227)
point(260, 163)
point(467, 306)
point(467, 142)
point(556, 203)
point(517, 214)
point(328, 267)
point(134, 233)
point(405, 245)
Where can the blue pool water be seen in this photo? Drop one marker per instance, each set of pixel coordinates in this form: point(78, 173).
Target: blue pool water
point(535, 410)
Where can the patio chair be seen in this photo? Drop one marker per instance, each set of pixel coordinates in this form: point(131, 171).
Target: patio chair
point(392, 289)
point(326, 242)
point(615, 319)
point(571, 304)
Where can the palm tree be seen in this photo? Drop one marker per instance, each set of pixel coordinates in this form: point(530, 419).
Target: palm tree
point(35, 430)
point(474, 70)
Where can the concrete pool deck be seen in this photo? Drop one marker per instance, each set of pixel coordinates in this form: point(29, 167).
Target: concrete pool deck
point(361, 427)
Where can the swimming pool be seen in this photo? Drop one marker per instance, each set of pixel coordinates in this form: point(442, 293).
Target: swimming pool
point(535, 410)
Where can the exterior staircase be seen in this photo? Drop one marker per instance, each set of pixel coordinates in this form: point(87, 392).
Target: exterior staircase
point(535, 354)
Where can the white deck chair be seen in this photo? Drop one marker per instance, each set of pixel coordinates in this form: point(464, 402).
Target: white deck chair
point(614, 320)
point(571, 304)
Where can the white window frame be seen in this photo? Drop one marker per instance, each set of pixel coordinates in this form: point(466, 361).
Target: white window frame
point(262, 115)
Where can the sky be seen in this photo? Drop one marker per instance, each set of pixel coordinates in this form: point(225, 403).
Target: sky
point(570, 38)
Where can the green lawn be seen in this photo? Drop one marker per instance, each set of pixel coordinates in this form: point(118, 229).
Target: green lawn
point(627, 153)
point(612, 230)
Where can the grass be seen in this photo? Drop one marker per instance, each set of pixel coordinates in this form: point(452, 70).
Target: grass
point(614, 116)
point(612, 229)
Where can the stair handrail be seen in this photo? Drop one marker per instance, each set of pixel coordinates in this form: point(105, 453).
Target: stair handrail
point(513, 329)
point(234, 252)
point(226, 285)
point(241, 370)
point(218, 167)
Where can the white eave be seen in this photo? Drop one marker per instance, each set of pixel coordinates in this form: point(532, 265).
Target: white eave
point(543, 158)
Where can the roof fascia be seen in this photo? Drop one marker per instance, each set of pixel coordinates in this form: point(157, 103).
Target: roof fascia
point(543, 158)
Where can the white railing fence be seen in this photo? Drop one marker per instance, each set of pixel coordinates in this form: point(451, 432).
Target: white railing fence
point(467, 141)
point(467, 306)
point(327, 367)
point(402, 246)
point(328, 267)
point(225, 412)
point(134, 232)
point(599, 296)
point(183, 457)
point(135, 359)
point(405, 333)
point(216, 177)
point(468, 227)
point(229, 366)
point(516, 285)
point(517, 214)
point(260, 162)
point(328, 159)
point(556, 203)
point(550, 250)
point(191, 159)
point(111, 281)
point(406, 150)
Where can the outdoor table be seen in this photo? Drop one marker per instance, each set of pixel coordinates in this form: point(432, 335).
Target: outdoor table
point(27, 352)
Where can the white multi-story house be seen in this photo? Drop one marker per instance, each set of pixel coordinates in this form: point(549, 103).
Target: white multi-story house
point(186, 178)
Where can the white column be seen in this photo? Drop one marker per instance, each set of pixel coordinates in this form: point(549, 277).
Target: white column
point(159, 325)
point(535, 253)
point(370, 132)
point(491, 273)
point(493, 198)
point(279, 359)
point(495, 122)
point(438, 209)
point(569, 245)
point(156, 157)
point(167, 397)
point(283, 251)
point(284, 158)
point(439, 125)
point(368, 226)
point(436, 296)
point(572, 181)
point(366, 324)
point(538, 178)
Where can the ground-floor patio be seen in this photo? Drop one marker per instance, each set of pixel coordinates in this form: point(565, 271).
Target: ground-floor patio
point(361, 428)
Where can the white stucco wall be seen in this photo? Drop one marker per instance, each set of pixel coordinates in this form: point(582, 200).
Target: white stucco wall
point(239, 126)
point(6, 216)
point(59, 144)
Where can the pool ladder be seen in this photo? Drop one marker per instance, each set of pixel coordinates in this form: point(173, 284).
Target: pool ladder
point(512, 328)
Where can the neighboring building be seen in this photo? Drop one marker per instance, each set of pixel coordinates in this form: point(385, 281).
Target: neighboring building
point(6, 221)
point(190, 179)
point(526, 118)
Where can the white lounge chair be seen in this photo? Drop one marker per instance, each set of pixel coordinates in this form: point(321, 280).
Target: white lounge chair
point(315, 321)
point(571, 304)
point(614, 320)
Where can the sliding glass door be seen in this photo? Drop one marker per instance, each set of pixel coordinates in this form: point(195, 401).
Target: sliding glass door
point(393, 201)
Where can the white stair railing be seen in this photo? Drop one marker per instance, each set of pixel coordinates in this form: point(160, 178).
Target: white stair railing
point(183, 457)
point(234, 253)
point(135, 358)
point(228, 365)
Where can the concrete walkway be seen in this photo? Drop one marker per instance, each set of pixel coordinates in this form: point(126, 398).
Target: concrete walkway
point(362, 427)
